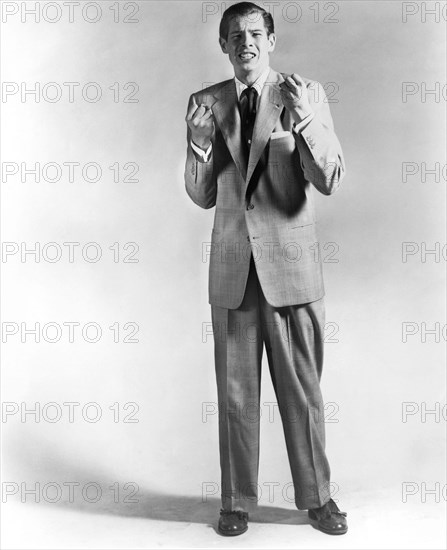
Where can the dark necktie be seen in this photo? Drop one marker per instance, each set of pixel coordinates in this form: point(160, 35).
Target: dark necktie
point(248, 101)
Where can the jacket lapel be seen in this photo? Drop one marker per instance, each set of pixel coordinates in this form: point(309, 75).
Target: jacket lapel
point(270, 107)
point(226, 112)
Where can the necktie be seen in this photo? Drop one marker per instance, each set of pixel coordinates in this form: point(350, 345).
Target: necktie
point(248, 114)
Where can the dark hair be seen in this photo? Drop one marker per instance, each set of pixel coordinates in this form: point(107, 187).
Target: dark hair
point(243, 9)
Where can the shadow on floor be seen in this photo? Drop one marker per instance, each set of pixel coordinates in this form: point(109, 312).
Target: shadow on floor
point(45, 465)
point(169, 507)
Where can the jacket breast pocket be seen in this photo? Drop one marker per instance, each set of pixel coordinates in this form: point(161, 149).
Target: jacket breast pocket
point(279, 135)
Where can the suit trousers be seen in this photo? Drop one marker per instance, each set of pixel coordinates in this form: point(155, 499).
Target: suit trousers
point(293, 339)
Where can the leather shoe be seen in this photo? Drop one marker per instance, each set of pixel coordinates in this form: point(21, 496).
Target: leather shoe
point(232, 523)
point(329, 519)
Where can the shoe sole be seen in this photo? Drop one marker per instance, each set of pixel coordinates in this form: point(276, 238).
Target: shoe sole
point(229, 534)
point(315, 525)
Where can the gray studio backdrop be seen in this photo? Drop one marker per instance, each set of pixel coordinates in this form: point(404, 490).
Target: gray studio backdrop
point(117, 282)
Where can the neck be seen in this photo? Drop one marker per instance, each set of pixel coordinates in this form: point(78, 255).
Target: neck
point(249, 78)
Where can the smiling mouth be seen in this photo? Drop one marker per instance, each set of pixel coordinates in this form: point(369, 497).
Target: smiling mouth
point(246, 56)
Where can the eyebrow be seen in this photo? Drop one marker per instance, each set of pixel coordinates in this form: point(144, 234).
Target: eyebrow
point(250, 30)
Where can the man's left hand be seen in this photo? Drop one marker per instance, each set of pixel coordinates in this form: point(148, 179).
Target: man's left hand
point(295, 97)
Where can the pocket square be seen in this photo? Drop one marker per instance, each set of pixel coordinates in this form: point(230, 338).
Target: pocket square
point(277, 135)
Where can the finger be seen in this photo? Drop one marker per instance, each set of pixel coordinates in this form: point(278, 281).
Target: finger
point(285, 87)
point(208, 114)
point(292, 84)
point(197, 117)
point(288, 94)
point(191, 109)
point(200, 111)
point(296, 77)
point(294, 90)
point(288, 87)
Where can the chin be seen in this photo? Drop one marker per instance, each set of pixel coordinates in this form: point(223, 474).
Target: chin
point(248, 66)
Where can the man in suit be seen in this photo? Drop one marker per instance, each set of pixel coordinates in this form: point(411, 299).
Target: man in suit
point(257, 146)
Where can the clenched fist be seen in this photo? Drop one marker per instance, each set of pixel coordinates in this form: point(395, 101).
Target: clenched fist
point(200, 120)
point(295, 97)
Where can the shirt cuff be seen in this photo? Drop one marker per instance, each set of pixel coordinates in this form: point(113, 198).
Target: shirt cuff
point(204, 155)
point(298, 128)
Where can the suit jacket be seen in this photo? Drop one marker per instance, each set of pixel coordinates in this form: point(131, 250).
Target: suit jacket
point(264, 207)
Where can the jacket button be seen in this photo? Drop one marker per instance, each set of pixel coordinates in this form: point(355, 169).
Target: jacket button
point(250, 207)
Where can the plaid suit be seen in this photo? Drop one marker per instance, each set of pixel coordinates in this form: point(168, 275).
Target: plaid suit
point(266, 274)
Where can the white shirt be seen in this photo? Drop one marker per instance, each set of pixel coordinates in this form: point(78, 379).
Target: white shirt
point(258, 85)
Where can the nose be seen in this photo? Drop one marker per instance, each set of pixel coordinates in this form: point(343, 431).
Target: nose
point(246, 39)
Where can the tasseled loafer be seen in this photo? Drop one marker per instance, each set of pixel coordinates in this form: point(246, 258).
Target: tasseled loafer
point(329, 519)
point(232, 523)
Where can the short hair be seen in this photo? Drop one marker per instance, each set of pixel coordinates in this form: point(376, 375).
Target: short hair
point(243, 9)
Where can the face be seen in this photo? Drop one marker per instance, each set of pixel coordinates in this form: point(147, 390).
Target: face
point(248, 46)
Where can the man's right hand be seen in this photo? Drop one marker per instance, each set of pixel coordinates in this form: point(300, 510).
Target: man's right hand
point(200, 120)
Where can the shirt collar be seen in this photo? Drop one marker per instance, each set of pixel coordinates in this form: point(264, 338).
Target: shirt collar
point(258, 85)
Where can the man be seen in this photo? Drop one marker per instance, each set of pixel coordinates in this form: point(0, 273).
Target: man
point(257, 145)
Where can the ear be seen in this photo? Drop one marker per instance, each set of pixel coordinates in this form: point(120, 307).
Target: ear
point(223, 44)
point(272, 42)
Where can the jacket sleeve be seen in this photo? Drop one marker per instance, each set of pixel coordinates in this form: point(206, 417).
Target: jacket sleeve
point(200, 180)
point(320, 151)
